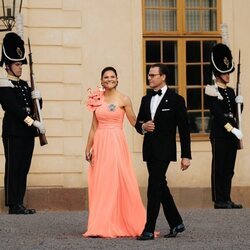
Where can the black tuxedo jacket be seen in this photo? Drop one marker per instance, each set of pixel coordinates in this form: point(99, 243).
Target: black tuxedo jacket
point(171, 114)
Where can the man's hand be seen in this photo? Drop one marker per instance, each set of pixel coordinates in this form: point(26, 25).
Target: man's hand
point(35, 94)
point(148, 126)
point(39, 126)
point(237, 133)
point(239, 99)
point(185, 163)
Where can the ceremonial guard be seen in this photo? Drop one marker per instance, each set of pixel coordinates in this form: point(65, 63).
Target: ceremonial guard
point(224, 134)
point(19, 128)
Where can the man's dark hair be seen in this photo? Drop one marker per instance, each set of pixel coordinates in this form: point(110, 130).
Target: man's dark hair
point(163, 69)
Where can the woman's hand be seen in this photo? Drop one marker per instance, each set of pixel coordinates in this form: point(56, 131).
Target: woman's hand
point(88, 156)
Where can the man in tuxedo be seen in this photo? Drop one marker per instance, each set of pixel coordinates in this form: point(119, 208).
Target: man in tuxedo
point(162, 111)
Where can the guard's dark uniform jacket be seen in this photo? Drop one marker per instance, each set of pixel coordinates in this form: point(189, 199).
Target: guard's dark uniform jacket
point(16, 101)
point(18, 137)
point(222, 112)
point(224, 143)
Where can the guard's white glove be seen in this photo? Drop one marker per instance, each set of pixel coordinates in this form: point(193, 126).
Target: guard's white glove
point(35, 94)
point(237, 133)
point(239, 99)
point(39, 126)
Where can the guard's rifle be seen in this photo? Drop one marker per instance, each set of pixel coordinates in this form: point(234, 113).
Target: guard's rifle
point(36, 104)
point(238, 110)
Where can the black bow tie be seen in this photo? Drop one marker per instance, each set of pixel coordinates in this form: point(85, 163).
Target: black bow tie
point(159, 92)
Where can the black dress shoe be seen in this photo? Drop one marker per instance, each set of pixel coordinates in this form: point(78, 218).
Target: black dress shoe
point(222, 205)
point(174, 231)
point(17, 209)
point(146, 236)
point(30, 210)
point(234, 205)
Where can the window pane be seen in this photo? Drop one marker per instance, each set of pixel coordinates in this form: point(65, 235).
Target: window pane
point(169, 51)
point(173, 75)
point(152, 20)
point(153, 51)
point(207, 74)
point(194, 99)
point(194, 123)
point(207, 48)
point(209, 3)
point(205, 100)
point(169, 3)
point(201, 15)
point(160, 15)
point(193, 20)
point(201, 3)
point(209, 20)
point(193, 75)
point(192, 3)
point(193, 51)
point(152, 3)
point(207, 122)
point(199, 123)
point(169, 20)
point(147, 70)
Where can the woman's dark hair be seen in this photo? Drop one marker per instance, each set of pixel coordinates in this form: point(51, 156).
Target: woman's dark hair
point(109, 68)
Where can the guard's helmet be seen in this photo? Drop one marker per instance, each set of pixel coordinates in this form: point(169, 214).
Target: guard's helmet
point(221, 60)
point(13, 49)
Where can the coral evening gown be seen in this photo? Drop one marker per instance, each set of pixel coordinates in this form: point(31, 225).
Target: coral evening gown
point(115, 206)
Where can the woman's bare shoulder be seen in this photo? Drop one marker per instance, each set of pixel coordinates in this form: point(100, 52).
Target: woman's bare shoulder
point(125, 99)
point(123, 96)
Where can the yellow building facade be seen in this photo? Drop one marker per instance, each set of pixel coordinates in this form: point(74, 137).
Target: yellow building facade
point(72, 41)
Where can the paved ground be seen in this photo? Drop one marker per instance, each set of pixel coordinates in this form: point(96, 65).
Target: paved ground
point(206, 229)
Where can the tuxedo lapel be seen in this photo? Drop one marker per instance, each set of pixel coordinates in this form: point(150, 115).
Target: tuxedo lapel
point(147, 105)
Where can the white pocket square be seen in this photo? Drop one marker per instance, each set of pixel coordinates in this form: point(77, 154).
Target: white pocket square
point(165, 109)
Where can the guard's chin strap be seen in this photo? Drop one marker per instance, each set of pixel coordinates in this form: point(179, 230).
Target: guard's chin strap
point(223, 81)
point(10, 69)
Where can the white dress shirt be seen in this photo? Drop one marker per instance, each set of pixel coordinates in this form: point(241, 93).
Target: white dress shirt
point(155, 101)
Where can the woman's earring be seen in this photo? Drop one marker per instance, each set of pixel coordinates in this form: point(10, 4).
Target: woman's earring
point(101, 88)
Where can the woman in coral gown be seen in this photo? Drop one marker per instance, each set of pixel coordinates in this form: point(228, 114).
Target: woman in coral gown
point(115, 206)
